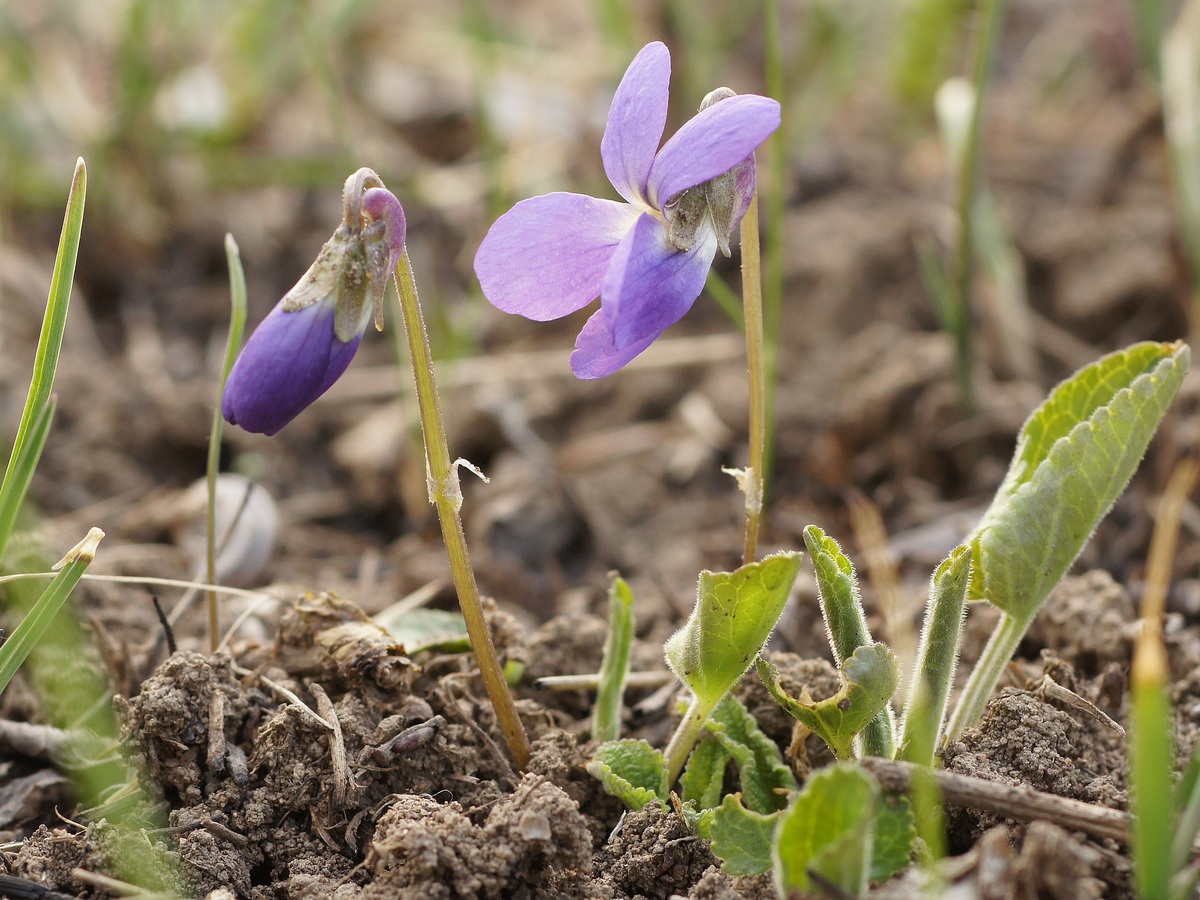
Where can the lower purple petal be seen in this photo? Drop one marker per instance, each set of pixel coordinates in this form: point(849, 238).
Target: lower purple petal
point(595, 353)
point(651, 284)
point(545, 258)
point(291, 359)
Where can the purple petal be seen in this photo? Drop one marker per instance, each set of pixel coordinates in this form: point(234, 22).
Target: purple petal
point(546, 257)
point(650, 284)
point(636, 121)
point(291, 359)
point(595, 353)
point(380, 203)
point(710, 144)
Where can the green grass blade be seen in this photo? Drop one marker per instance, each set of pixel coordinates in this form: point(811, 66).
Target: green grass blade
point(54, 324)
point(1151, 758)
point(27, 635)
point(606, 718)
point(12, 492)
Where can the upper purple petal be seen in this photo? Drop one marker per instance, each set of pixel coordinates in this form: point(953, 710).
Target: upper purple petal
point(596, 355)
point(636, 121)
point(710, 144)
point(290, 360)
point(650, 284)
point(546, 257)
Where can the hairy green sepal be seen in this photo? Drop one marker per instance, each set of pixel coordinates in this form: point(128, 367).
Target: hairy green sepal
point(869, 678)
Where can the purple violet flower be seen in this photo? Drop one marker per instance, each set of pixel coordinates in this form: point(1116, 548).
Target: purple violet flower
point(306, 342)
point(647, 259)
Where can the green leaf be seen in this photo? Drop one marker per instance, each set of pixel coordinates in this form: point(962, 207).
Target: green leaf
point(606, 716)
point(704, 776)
point(24, 457)
point(33, 627)
point(895, 833)
point(428, 629)
point(733, 616)
point(741, 838)
point(1074, 457)
point(765, 778)
point(632, 771)
point(841, 607)
point(829, 830)
point(869, 679)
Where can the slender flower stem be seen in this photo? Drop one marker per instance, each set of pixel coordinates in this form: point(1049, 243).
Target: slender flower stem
point(986, 673)
point(445, 495)
point(756, 366)
point(237, 324)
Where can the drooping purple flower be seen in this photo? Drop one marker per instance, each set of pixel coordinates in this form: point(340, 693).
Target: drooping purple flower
point(646, 259)
point(306, 342)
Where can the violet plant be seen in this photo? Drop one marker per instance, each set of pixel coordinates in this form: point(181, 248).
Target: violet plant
point(309, 339)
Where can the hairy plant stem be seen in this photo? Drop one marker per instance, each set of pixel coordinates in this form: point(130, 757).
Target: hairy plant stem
point(752, 485)
point(984, 676)
point(445, 495)
point(685, 737)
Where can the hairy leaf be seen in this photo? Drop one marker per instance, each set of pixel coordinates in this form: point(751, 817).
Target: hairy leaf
point(765, 777)
point(741, 838)
point(704, 776)
point(1074, 457)
point(733, 616)
point(841, 607)
point(829, 830)
point(869, 679)
point(632, 771)
point(895, 833)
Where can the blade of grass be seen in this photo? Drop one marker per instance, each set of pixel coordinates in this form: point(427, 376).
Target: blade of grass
point(12, 493)
point(27, 635)
point(237, 324)
point(1151, 751)
point(54, 324)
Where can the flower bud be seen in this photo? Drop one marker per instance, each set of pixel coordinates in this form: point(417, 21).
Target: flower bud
point(309, 338)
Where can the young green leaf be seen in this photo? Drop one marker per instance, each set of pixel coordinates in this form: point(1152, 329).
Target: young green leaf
point(765, 778)
point(741, 838)
point(869, 678)
point(31, 628)
point(704, 776)
point(895, 833)
point(828, 831)
point(606, 716)
point(632, 771)
point(732, 618)
point(841, 607)
point(1074, 457)
point(45, 360)
point(427, 629)
point(936, 658)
